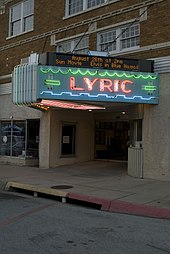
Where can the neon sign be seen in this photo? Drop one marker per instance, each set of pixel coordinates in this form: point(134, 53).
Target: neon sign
point(104, 84)
point(32, 83)
point(97, 85)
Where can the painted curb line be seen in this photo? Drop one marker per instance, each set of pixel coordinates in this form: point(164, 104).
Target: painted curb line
point(105, 203)
point(116, 206)
point(123, 206)
point(138, 209)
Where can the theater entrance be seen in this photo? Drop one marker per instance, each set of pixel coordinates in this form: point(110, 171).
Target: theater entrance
point(111, 140)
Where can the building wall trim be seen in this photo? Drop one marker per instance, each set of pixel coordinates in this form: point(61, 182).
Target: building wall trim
point(146, 48)
point(5, 89)
point(5, 76)
point(162, 64)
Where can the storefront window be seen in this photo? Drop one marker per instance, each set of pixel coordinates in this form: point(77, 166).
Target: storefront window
point(19, 138)
point(5, 141)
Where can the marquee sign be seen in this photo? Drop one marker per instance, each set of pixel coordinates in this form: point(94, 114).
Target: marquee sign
point(95, 61)
point(33, 83)
point(86, 61)
point(97, 85)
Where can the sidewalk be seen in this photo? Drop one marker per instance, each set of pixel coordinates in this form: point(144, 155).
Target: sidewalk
point(98, 182)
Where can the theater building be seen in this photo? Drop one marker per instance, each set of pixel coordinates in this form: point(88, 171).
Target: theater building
point(88, 82)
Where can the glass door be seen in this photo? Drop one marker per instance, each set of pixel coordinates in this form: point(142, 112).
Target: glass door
point(68, 139)
point(111, 140)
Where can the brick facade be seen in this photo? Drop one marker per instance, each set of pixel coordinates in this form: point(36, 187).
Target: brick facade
point(49, 17)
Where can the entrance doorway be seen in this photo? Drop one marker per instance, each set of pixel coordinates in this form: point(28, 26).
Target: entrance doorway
point(111, 140)
point(68, 139)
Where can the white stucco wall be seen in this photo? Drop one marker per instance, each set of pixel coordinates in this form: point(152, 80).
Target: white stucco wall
point(8, 109)
point(51, 126)
point(156, 134)
point(44, 141)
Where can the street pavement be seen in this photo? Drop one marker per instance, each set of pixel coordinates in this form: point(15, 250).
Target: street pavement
point(102, 183)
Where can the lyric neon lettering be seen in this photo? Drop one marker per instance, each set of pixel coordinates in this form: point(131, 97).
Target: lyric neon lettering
point(102, 84)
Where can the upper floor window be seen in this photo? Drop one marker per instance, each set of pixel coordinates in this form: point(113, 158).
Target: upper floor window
point(77, 45)
point(21, 18)
point(130, 37)
point(119, 39)
point(76, 6)
point(92, 3)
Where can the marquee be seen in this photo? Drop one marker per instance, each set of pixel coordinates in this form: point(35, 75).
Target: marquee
point(32, 83)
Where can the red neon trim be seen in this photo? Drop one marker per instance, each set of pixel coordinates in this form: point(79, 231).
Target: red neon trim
point(105, 83)
point(123, 86)
point(68, 105)
point(90, 83)
point(73, 85)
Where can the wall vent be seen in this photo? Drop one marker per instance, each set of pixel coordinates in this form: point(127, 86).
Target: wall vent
point(162, 64)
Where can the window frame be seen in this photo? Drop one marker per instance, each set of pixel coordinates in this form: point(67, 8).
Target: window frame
point(69, 4)
point(19, 145)
point(85, 7)
point(119, 38)
point(73, 42)
point(21, 18)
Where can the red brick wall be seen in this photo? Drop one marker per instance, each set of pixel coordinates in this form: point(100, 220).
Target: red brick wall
point(49, 16)
point(157, 27)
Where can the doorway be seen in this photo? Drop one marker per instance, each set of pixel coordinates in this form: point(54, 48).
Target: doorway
point(111, 140)
point(68, 139)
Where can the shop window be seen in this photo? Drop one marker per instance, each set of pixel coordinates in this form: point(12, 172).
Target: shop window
point(5, 141)
point(68, 139)
point(19, 138)
point(21, 18)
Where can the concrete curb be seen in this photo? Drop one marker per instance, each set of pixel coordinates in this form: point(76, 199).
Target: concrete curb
point(2, 185)
point(35, 189)
point(124, 207)
point(137, 209)
point(105, 204)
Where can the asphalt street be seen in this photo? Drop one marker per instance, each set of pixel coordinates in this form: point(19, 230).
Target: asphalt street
point(39, 226)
